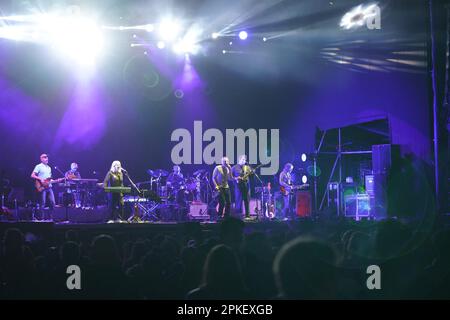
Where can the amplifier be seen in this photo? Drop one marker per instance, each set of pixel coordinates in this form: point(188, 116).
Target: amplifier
point(303, 201)
point(198, 211)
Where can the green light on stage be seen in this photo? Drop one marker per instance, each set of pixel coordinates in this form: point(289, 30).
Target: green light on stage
point(314, 171)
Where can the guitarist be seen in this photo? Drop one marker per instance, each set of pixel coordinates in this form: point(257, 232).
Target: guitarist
point(241, 172)
point(42, 173)
point(220, 177)
point(285, 181)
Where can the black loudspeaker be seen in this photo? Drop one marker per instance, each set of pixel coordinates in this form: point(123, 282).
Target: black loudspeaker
point(385, 157)
point(378, 198)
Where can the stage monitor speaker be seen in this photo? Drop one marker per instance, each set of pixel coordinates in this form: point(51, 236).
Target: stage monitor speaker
point(198, 211)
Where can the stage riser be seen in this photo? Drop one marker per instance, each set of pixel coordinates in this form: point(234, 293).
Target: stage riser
point(59, 214)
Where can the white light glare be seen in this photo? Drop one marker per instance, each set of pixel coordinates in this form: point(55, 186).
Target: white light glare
point(149, 28)
point(169, 29)
point(161, 45)
point(185, 46)
point(303, 157)
point(357, 16)
point(243, 35)
point(77, 38)
point(304, 179)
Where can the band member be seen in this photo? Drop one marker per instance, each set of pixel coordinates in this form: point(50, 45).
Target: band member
point(114, 178)
point(241, 173)
point(43, 173)
point(220, 177)
point(73, 173)
point(175, 178)
point(174, 183)
point(285, 181)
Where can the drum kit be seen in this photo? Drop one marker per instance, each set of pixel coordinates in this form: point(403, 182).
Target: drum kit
point(192, 188)
point(174, 192)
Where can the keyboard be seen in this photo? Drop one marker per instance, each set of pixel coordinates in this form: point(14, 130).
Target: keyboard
point(134, 199)
point(83, 180)
point(118, 189)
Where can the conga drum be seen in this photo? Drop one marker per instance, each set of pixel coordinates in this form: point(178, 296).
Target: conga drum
point(303, 204)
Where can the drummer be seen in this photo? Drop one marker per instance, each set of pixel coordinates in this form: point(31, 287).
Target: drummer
point(175, 179)
point(175, 185)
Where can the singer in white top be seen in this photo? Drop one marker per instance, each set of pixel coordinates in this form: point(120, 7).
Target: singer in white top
point(43, 172)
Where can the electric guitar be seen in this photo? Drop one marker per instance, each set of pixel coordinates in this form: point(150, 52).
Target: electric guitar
point(244, 177)
point(44, 185)
point(286, 191)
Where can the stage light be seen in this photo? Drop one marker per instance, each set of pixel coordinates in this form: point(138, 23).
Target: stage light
point(77, 38)
point(231, 43)
point(185, 47)
point(215, 35)
point(243, 35)
point(224, 51)
point(264, 39)
point(179, 93)
point(169, 29)
point(304, 179)
point(149, 28)
point(188, 45)
point(161, 44)
point(303, 157)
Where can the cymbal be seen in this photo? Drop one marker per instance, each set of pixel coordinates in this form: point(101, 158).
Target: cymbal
point(161, 172)
point(199, 172)
point(157, 173)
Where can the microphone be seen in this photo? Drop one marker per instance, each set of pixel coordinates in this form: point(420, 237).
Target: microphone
point(123, 170)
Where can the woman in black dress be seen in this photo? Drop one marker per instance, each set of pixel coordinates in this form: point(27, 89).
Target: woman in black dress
point(114, 178)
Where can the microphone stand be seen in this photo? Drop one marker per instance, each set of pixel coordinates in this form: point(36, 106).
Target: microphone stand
point(65, 194)
point(134, 216)
point(262, 192)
